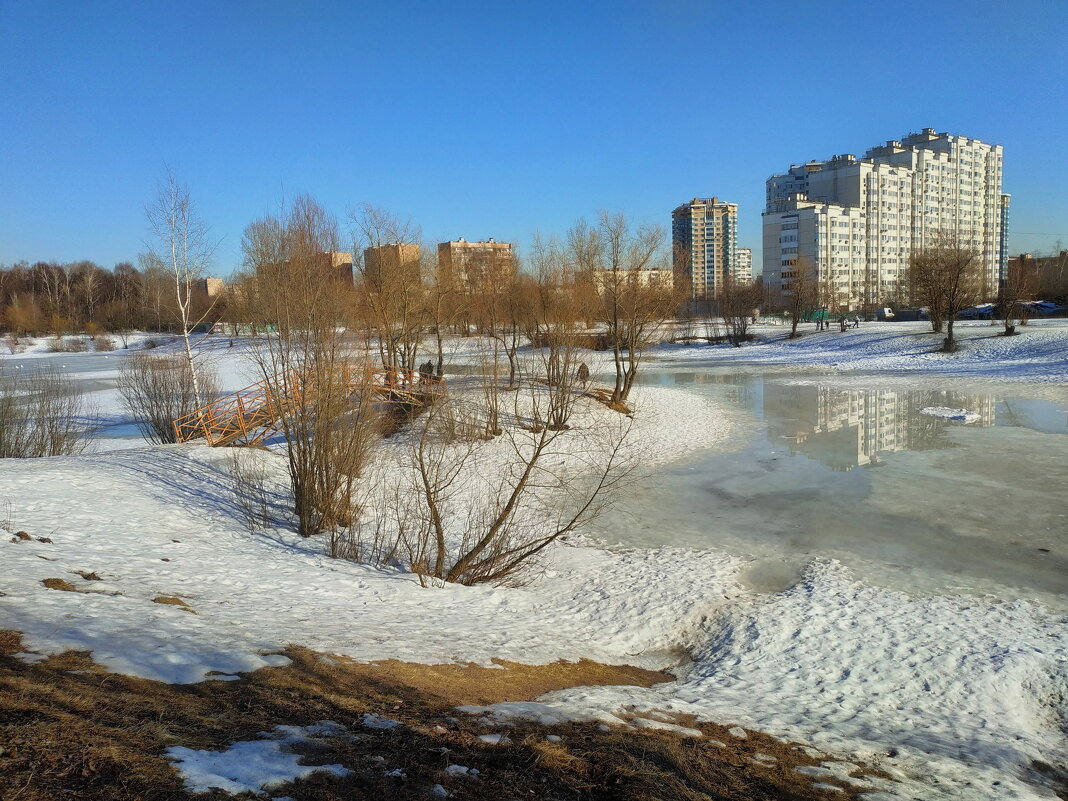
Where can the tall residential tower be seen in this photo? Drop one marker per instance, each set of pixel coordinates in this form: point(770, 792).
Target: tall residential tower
point(704, 234)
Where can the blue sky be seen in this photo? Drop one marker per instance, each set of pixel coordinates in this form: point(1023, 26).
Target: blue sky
point(482, 119)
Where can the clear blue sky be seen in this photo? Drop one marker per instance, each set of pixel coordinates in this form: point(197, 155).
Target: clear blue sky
point(498, 119)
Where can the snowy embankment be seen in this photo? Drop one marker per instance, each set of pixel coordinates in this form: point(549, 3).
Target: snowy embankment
point(162, 521)
point(1038, 353)
point(957, 697)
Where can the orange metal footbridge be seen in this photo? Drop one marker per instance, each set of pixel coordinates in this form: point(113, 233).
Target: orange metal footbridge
point(251, 414)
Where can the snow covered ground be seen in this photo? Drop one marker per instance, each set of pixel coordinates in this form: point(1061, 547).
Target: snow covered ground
point(955, 696)
point(1039, 353)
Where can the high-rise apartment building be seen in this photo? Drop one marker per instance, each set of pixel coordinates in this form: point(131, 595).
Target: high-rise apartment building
point(469, 264)
point(704, 235)
point(857, 221)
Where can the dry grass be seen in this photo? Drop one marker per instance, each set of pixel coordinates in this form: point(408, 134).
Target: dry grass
point(60, 584)
point(172, 600)
point(70, 730)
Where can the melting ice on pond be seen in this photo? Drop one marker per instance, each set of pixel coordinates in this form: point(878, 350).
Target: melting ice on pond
point(861, 474)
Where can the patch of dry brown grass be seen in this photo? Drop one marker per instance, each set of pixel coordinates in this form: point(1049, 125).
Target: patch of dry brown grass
point(173, 600)
point(60, 584)
point(70, 730)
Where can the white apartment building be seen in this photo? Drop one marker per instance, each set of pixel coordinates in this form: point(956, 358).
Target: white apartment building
point(704, 236)
point(743, 265)
point(857, 221)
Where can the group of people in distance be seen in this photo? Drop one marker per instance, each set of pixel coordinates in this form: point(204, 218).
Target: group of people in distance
point(823, 324)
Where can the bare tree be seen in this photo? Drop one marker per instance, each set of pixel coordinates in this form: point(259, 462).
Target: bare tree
point(801, 291)
point(158, 389)
point(633, 312)
point(738, 301)
point(1020, 282)
point(392, 266)
point(321, 400)
point(947, 277)
point(183, 247)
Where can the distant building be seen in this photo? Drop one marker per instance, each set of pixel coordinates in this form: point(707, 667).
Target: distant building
point(339, 263)
point(704, 236)
point(644, 279)
point(391, 259)
point(743, 265)
point(469, 264)
point(209, 288)
point(1048, 275)
point(336, 263)
point(858, 221)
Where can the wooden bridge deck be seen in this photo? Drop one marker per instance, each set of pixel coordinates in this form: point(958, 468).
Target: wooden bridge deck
point(251, 414)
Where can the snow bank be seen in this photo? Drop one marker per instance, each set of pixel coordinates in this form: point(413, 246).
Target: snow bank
point(1039, 354)
point(169, 526)
point(964, 690)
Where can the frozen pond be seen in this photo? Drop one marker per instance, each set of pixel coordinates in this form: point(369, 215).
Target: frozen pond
point(856, 472)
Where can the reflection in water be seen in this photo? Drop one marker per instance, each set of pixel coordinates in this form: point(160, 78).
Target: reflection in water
point(952, 507)
point(847, 428)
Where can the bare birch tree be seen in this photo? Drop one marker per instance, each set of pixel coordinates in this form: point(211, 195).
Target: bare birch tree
point(182, 245)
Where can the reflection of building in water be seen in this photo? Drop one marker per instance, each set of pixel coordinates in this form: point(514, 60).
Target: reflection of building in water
point(848, 428)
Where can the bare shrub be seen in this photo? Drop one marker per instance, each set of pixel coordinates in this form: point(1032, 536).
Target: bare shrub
point(158, 389)
point(150, 344)
point(72, 345)
point(248, 480)
point(104, 343)
point(326, 418)
point(11, 344)
point(6, 517)
point(42, 413)
point(457, 422)
point(459, 513)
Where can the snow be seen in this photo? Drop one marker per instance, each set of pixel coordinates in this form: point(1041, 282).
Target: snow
point(461, 770)
point(967, 690)
point(172, 503)
point(959, 415)
point(373, 721)
point(962, 688)
point(1038, 354)
point(252, 765)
